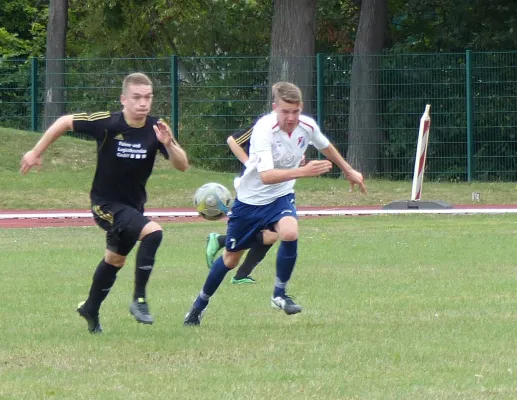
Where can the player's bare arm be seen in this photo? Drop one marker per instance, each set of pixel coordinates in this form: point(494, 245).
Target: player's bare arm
point(312, 168)
point(33, 158)
point(237, 150)
point(177, 156)
point(353, 176)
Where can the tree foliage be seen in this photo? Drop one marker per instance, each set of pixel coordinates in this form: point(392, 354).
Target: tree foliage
point(215, 40)
point(449, 26)
point(150, 28)
point(153, 28)
point(22, 28)
point(337, 22)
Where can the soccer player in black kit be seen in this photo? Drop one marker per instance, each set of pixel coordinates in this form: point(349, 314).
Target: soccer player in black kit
point(127, 144)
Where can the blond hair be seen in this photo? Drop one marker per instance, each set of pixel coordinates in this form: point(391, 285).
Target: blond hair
point(287, 92)
point(136, 78)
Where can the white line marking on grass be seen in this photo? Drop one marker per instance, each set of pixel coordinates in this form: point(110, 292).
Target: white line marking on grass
point(301, 212)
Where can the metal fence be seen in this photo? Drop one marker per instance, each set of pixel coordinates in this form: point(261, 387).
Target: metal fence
point(473, 97)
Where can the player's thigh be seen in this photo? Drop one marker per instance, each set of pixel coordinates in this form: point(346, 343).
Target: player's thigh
point(269, 236)
point(133, 223)
point(241, 236)
point(123, 225)
point(287, 229)
point(244, 223)
point(283, 218)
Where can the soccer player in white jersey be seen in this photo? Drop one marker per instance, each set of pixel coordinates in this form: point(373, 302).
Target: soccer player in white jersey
point(265, 194)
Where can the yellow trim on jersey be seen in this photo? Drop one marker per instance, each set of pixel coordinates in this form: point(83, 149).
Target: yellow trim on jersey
point(92, 117)
point(244, 137)
point(105, 216)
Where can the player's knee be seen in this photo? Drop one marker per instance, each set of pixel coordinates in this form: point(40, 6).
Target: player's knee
point(288, 236)
point(114, 259)
point(148, 247)
point(149, 228)
point(153, 240)
point(287, 229)
point(230, 259)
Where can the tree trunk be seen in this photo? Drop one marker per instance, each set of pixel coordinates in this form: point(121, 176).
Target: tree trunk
point(55, 63)
point(292, 45)
point(364, 133)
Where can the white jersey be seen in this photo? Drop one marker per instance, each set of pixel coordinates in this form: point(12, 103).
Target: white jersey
point(272, 148)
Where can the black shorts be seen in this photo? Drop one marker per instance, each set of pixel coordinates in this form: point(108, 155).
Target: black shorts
point(122, 223)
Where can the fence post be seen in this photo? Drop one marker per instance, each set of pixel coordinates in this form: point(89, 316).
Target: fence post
point(34, 94)
point(320, 92)
point(174, 96)
point(468, 94)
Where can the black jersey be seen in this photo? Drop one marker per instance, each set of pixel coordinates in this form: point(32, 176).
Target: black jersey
point(125, 157)
point(242, 138)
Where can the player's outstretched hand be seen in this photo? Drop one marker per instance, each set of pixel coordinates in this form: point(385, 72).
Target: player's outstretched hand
point(356, 178)
point(164, 133)
point(29, 160)
point(317, 167)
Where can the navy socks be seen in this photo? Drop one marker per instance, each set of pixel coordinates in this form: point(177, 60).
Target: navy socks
point(213, 281)
point(285, 261)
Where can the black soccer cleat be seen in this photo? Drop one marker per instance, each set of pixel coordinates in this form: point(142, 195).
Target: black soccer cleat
point(194, 316)
point(286, 304)
point(94, 325)
point(140, 310)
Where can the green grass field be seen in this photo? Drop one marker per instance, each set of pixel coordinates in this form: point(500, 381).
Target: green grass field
point(395, 307)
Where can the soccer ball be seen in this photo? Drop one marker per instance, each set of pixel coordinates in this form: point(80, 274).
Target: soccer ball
point(212, 201)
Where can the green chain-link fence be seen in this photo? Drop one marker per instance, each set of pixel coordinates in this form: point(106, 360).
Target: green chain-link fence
point(473, 97)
